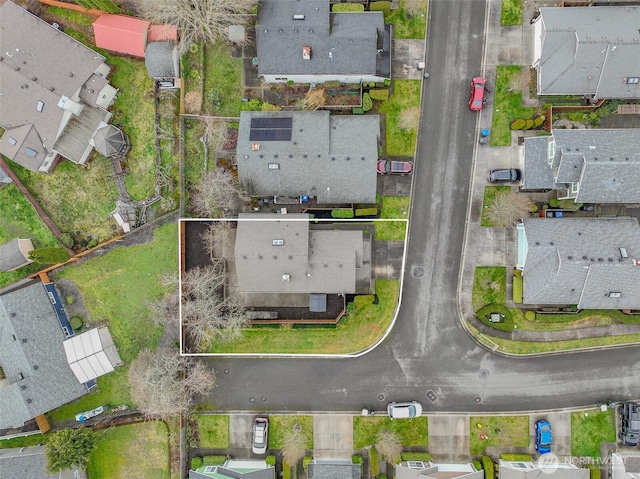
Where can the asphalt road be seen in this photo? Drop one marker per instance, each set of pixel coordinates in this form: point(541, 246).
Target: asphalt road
point(428, 350)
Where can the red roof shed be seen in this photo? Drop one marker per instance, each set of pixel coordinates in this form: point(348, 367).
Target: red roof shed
point(121, 34)
point(163, 33)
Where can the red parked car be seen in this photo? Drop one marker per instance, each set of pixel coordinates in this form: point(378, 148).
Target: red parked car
point(394, 167)
point(476, 95)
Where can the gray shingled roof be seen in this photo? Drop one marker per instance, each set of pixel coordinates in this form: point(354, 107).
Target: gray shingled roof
point(31, 463)
point(38, 64)
point(11, 256)
point(550, 473)
point(161, 60)
point(537, 175)
point(317, 261)
point(32, 356)
point(330, 157)
point(350, 38)
point(589, 51)
point(333, 471)
point(578, 261)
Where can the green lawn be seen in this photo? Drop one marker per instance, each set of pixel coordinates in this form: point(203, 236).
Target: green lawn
point(391, 230)
point(20, 220)
point(513, 432)
point(511, 13)
point(222, 82)
point(137, 450)
point(521, 347)
point(414, 432)
point(489, 286)
point(25, 441)
point(117, 286)
point(359, 330)
point(408, 24)
point(589, 429)
point(394, 207)
point(213, 431)
point(490, 193)
point(406, 96)
point(279, 425)
point(508, 104)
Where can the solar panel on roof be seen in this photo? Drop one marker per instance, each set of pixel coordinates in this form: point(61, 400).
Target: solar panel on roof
point(270, 129)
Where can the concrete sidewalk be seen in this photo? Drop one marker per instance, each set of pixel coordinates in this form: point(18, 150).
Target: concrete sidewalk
point(498, 246)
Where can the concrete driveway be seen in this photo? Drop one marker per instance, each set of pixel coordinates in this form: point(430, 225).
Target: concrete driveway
point(449, 438)
point(560, 428)
point(332, 436)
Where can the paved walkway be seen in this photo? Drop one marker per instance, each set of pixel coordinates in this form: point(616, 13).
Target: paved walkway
point(498, 246)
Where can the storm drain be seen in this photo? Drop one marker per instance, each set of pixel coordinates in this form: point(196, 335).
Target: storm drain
point(431, 396)
point(418, 272)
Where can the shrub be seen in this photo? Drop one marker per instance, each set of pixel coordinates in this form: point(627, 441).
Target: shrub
point(518, 124)
point(357, 110)
point(366, 211)
point(534, 208)
point(76, 323)
point(516, 457)
point(518, 273)
point(374, 461)
point(286, 471)
point(554, 202)
point(477, 464)
point(213, 460)
point(270, 460)
point(539, 121)
point(530, 315)
point(367, 102)
point(66, 239)
point(528, 124)
point(351, 306)
point(384, 7)
point(416, 456)
point(382, 476)
point(387, 82)
point(487, 465)
point(252, 105)
point(290, 82)
point(342, 213)
point(305, 462)
point(379, 95)
point(594, 473)
point(266, 106)
point(69, 299)
point(356, 459)
point(517, 289)
point(196, 462)
point(348, 7)
point(92, 244)
point(51, 255)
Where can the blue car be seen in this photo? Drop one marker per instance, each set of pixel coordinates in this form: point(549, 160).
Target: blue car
point(543, 437)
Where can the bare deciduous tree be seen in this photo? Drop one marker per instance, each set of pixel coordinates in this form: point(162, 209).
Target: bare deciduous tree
point(197, 20)
point(193, 102)
point(215, 237)
point(390, 446)
point(294, 443)
point(208, 316)
point(165, 384)
point(519, 82)
point(507, 208)
point(409, 118)
point(215, 131)
point(217, 192)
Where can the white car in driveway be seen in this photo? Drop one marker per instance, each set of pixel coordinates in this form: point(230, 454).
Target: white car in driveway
point(260, 435)
point(404, 410)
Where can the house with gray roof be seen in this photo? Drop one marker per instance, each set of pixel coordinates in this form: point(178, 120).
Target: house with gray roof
point(304, 42)
point(590, 51)
point(593, 263)
point(331, 158)
point(15, 254)
point(236, 469)
point(287, 260)
point(54, 89)
point(585, 165)
point(530, 470)
point(432, 470)
point(38, 377)
point(31, 463)
point(333, 469)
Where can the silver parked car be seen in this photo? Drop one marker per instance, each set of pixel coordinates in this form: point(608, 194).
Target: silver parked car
point(404, 410)
point(260, 435)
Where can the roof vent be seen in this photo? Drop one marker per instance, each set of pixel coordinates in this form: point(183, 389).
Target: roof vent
point(306, 52)
point(623, 252)
point(35, 367)
point(286, 278)
point(636, 262)
point(278, 242)
point(34, 78)
point(20, 376)
point(29, 401)
point(23, 387)
point(24, 340)
point(615, 294)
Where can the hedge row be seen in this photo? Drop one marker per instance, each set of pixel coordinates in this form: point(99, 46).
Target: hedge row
point(379, 95)
point(416, 456)
point(305, 462)
point(356, 458)
point(374, 461)
point(196, 462)
point(342, 213)
point(384, 7)
point(367, 211)
point(527, 124)
point(487, 465)
point(348, 7)
point(517, 289)
point(270, 460)
point(213, 460)
point(286, 471)
point(516, 457)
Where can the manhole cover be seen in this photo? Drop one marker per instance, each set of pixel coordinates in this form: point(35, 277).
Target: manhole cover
point(226, 371)
point(418, 272)
point(380, 397)
point(483, 373)
point(431, 396)
point(478, 399)
point(252, 399)
point(263, 399)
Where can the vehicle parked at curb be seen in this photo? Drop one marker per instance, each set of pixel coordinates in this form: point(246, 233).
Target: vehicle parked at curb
point(476, 95)
point(394, 167)
point(404, 410)
point(508, 175)
point(260, 435)
point(630, 423)
point(543, 437)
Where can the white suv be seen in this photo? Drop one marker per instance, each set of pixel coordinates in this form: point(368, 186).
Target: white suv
point(404, 410)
